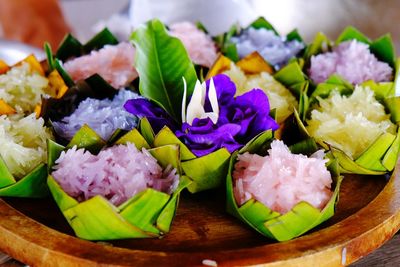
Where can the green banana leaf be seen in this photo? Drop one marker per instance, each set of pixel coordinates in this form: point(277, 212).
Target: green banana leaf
point(282, 227)
point(262, 23)
point(228, 48)
point(382, 155)
point(71, 47)
point(293, 78)
point(162, 62)
point(94, 86)
point(320, 44)
point(383, 47)
point(205, 172)
point(147, 214)
point(32, 185)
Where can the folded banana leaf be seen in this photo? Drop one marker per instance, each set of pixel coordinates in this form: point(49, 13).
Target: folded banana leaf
point(32, 185)
point(282, 227)
point(381, 156)
point(147, 214)
point(228, 48)
point(382, 47)
point(55, 108)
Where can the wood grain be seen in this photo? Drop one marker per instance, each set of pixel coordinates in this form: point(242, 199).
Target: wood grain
point(34, 232)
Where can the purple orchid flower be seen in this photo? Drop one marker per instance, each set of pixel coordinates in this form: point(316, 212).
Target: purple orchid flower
point(251, 112)
point(204, 137)
point(239, 120)
point(157, 117)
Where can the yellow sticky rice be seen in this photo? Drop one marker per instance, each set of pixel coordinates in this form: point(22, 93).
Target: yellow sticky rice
point(21, 88)
point(23, 143)
point(350, 123)
point(278, 95)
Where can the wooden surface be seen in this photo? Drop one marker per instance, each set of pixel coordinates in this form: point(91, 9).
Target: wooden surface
point(34, 232)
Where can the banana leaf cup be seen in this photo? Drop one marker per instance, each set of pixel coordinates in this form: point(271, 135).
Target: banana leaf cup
point(32, 184)
point(382, 48)
point(206, 172)
point(147, 214)
point(55, 108)
point(301, 218)
point(379, 157)
point(55, 87)
point(25, 177)
point(229, 48)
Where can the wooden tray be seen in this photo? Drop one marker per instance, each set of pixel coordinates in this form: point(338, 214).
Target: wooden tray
point(35, 232)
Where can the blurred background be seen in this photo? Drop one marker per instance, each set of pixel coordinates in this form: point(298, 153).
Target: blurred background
point(33, 22)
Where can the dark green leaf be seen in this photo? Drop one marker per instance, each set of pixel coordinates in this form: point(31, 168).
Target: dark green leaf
point(294, 35)
point(262, 23)
point(305, 147)
point(384, 49)
point(162, 61)
point(351, 33)
point(70, 47)
point(105, 37)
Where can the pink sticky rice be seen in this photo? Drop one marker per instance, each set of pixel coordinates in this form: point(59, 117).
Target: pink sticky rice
point(353, 61)
point(114, 63)
point(200, 47)
point(116, 173)
point(281, 179)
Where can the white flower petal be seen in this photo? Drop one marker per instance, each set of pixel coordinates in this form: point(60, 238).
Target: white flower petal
point(195, 107)
point(212, 96)
point(184, 100)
